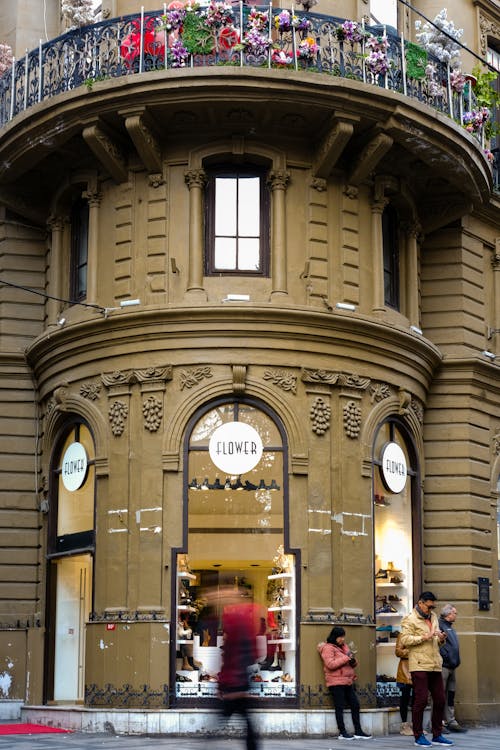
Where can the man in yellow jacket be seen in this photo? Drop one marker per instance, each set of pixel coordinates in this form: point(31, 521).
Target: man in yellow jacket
point(422, 637)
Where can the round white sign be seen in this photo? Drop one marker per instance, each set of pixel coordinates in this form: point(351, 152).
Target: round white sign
point(393, 467)
point(74, 467)
point(235, 448)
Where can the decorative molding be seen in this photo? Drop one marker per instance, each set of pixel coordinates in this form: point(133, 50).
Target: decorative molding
point(352, 419)
point(156, 179)
point(92, 391)
point(278, 179)
point(239, 378)
point(195, 178)
point(418, 409)
point(193, 376)
point(340, 379)
point(154, 375)
point(320, 414)
point(496, 444)
point(369, 157)
point(117, 415)
point(404, 401)
point(319, 184)
point(282, 379)
point(379, 391)
point(487, 27)
point(152, 410)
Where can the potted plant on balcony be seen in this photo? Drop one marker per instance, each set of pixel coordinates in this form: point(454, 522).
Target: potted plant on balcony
point(5, 58)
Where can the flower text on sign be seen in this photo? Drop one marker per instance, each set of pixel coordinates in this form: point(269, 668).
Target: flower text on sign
point(235, 448)
point(74, 467)
point(393, 467)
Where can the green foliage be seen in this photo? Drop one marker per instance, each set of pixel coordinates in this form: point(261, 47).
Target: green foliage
point(484, 91)
point(416, 61)
point(197, 38)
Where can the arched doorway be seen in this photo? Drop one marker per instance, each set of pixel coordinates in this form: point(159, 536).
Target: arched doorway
point(397, 544)
point(70, 545)
point(235, 535)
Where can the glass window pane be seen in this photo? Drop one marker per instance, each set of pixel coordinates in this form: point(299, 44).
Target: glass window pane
point(248, 255)
point(225, 206)
point(76, 509)
point(249, 207)
point(225, 253)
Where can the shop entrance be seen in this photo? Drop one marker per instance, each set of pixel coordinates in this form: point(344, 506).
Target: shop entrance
point(397, 547)
point(73, 604)
point(236, 524)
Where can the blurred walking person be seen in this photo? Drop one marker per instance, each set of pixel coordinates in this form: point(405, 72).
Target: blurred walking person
point(239, 652)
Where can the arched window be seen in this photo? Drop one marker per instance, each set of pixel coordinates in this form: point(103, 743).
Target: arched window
point(396, 517)
point(236, 537)
point(71, 543)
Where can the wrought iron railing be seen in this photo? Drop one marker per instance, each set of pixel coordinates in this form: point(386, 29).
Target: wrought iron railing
point(258, 37)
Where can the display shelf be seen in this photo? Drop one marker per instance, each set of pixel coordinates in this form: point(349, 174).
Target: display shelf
point(275, 576)
point(185, 574)
point(280, 640)
point(284, 608)
point(388, 614)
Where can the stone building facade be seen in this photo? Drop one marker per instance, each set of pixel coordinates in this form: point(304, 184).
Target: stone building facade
point(310, 415)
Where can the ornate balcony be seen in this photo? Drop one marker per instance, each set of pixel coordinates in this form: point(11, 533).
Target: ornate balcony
point(165, 41)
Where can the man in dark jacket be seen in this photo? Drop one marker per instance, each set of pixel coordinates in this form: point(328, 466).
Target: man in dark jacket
point(450, 651)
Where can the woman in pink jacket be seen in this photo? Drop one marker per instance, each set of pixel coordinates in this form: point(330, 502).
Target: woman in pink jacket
point(338, 665)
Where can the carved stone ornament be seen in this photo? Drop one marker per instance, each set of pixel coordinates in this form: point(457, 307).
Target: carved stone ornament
point(352, 419)
point(417, 408)
point(191, 377)
point(146, 375)
point(379, 391)
point(239, 378)
point(282, 379)
point(320, 413)
point(152, 410)
point(118, 413)
point(488, 28)
point(91, 391)
point(496, 444)
point(156, 179)
point(319, 184)
point(341, 379)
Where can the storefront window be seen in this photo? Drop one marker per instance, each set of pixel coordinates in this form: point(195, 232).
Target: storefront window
point(236, 539)
point(393, 478)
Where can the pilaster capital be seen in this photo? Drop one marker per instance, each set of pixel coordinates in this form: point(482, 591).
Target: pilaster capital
point(195, 178)
point(278, 179)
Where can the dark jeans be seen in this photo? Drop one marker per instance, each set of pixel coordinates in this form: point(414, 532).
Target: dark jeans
point(345, 695)
point(240, 706)
point(423, 684)
point(404, 701)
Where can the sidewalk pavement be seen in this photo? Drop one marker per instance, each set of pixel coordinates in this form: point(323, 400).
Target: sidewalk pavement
point(480, 738)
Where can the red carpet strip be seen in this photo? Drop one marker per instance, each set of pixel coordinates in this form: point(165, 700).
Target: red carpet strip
point(29, 729)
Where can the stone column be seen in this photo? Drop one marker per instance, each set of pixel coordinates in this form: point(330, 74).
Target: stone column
point(94, 199)
point(278, 182)
point(378, 206)
point(412, 306)
point(195, 180)
point(56, 225)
